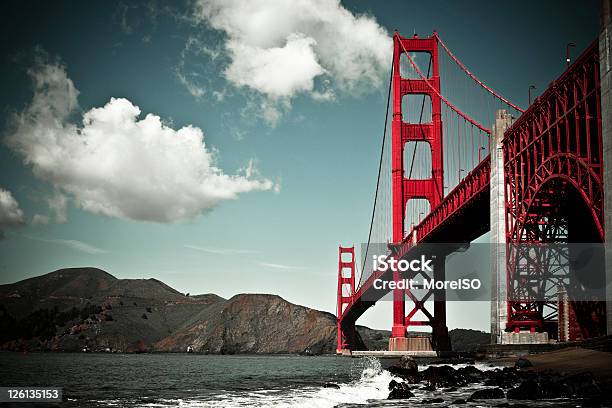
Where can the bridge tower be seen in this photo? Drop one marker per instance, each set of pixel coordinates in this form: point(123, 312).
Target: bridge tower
point(405, 189)
point(346, 289)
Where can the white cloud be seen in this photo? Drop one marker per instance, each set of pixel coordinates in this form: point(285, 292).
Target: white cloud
point(11, 214)
point(40, 219)
point(280, 48)
point(71, 243)
point(57, 204)
point(195, 77)
point(222, 251)
point(117, 163)
point(192, 87)
point(276, 71)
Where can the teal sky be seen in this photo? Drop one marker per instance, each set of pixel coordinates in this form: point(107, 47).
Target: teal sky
point(317, 148)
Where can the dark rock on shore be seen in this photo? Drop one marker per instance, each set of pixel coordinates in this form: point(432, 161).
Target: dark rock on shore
point(523, 363)
point(503, 378)
point(488, 393)
point(521, 383)
point(553, 385)
point(407, 369)
point(399, 390)
point(442, 376)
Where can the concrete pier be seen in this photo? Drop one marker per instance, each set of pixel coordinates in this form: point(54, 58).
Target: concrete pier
point(499, 311)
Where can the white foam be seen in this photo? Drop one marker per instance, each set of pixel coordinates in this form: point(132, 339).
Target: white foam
point(372, 385)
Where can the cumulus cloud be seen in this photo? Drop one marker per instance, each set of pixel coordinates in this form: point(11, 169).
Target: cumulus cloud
point(116, 163)
point(11, 214)
point(280, 48)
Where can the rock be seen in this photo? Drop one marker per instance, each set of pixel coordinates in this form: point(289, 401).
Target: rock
point(488, 393)
point(506, 378)
point(527, 390)
point(407, 369)
point(523, 363)
point(393, 384)
point(331, 385)
point(408, 363)
point(399, 390)
point(443, 376)
point(582, 385)
point(446, 376)
point(471, 374)
point(549, 385)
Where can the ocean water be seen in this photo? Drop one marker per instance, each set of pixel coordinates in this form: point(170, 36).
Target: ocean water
point(191, 380)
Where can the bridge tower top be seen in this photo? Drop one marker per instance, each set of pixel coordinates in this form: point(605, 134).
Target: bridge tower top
point(404, 187)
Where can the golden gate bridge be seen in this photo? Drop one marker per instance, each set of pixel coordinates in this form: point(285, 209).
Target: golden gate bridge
point(534, 177)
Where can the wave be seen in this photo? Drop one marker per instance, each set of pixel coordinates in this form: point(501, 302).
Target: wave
point(371, 385)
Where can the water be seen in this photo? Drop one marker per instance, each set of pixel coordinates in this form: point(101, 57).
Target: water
point(190, 380)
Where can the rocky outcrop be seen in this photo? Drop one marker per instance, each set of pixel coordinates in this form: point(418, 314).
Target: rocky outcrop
point(399, 390)
point(407, 369)
point(521, 382)
point(487, 394)
point(255, 324)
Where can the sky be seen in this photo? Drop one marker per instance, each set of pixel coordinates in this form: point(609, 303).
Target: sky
point(228, 146)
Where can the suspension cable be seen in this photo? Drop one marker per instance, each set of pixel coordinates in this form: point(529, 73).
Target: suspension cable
point(382, 152)
point(467, 71)
point(446, 101)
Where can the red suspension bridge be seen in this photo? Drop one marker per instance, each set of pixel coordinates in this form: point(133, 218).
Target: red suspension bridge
point(446, 177)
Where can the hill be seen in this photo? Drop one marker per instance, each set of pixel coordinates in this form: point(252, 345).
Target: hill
point(88, 308)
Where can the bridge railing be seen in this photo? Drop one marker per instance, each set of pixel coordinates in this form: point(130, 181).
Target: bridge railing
point(473, 184)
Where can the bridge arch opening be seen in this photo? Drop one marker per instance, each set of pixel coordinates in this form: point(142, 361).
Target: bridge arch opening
point(417, 160)
point(416, 108)
point(561, 211)
point(421, 59)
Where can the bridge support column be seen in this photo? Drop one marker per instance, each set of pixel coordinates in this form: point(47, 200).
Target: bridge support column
point(440, 339)
point(605, 74)
point(499, 306)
